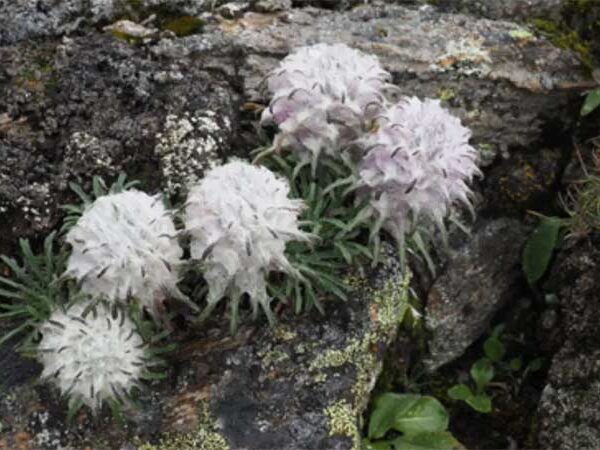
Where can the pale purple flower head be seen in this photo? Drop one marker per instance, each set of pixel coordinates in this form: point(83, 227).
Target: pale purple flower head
point(323, 98)
point(416, 165)
point(240, 218)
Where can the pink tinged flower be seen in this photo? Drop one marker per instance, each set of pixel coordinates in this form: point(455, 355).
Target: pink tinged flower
point(322, 98)
point(416, 166)
point(240, 218)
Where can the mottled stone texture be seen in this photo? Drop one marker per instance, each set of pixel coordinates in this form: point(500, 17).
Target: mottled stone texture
point(506, 83)
point(76, 102)
point(568, 413)
point(480, 277)
point(76, 108)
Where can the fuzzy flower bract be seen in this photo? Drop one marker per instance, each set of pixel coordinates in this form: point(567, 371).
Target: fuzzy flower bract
point(323, 98)
point(124, 245)
point(92, 357)
point(416, 165)
point(240, 218)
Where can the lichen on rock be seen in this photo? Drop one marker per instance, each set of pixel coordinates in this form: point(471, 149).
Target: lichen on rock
point(188, 146)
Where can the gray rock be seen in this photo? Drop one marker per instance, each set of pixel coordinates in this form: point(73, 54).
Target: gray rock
point(479, 278)
point(33, 19)
point(268, 6)
point(517, 10)
point(505, 82)
point(301, 385)
point(568, 415)
point(98, 106)
point(233, 10)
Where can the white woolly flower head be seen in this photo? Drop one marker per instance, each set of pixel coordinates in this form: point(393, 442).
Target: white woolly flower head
point(240, 218)
point(416, 165)
point(323, 97)
point(92, 357)
point(125, 245)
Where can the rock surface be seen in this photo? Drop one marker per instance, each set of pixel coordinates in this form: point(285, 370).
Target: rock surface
point(76, 102)
point(568, 414)
point(301, 385)
point(506, 83)
point(480, 277)
point(96, 105)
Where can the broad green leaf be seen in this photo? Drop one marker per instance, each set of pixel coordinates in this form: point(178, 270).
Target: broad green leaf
point(482, 373)
point(386, 407)
point(481, 403)
point(592, 101)
point(460, 392)
point(515, 364)
point(494, 349)
point(539, 248)
point(427, 441)
point(426, 414)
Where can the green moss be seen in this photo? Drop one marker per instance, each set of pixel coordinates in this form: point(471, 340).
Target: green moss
point(184, 26)
point(564, 37)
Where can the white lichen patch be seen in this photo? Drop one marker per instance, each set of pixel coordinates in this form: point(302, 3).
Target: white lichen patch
point(35, 204)
point(467, 56)
point(84, 150)
point(188, 147)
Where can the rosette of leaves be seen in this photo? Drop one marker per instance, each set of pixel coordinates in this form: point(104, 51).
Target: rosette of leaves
point(32, 290)
point(323, 98)
point(341, 237)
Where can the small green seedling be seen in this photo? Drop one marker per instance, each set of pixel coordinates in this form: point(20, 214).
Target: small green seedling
point(484, 370)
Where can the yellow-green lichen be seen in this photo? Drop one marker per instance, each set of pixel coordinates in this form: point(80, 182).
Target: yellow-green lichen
point(564, 37)
point(184, 26)
point(206, 437)
point(284, 333)
point(343, 421)
point(446, 94)
point(387, 308)
point(521, 34)
point(272, 357)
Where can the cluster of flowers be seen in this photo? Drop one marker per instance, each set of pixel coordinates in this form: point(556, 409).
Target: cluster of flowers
point(125, 246)
point(414, 161)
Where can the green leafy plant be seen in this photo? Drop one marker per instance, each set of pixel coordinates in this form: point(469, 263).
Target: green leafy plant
point(99, 189)
point(591, 102)
point(341, 237)
point(539, 248)
point(34, 289)
point(484, 371)
point(413, 422)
